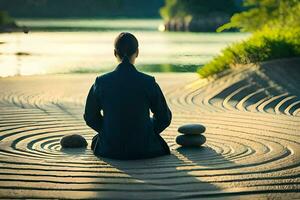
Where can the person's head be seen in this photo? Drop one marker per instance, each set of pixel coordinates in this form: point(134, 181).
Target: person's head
point(126, 47)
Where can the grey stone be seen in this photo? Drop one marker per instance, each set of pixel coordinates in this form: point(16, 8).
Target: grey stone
point(73, 141)
point(190, 140)
point(191, 129)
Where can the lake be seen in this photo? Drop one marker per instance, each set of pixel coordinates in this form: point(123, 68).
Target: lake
point(83, 46)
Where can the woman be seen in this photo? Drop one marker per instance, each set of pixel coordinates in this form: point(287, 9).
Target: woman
point(118, 108)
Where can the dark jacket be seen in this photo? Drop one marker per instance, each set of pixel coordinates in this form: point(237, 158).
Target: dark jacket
point(118, 108)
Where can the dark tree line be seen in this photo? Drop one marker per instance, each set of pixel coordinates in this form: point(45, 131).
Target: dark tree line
point(81, 8)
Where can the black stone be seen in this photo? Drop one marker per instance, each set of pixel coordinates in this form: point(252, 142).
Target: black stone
point(190, 140)
point(192, 129)
point(73, 141)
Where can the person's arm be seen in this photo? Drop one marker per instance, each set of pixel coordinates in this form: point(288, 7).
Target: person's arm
point(162, 115)
point(92, 114)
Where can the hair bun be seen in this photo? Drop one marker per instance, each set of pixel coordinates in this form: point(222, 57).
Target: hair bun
point(126, 45)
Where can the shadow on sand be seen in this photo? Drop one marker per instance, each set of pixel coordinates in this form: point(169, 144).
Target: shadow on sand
point(179, 175)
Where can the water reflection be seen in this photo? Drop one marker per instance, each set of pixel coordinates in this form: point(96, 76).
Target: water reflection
point(92, 51)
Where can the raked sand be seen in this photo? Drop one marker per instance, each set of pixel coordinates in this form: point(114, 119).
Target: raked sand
point(252, 151)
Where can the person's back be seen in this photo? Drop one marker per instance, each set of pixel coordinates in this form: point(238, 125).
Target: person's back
point(125, 97)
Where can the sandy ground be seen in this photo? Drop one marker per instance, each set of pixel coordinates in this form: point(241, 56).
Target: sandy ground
point(252, 151)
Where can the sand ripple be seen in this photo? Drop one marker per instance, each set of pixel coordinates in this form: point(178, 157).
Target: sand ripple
point(253, 147)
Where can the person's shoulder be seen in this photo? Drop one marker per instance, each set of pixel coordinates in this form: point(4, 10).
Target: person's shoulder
point(104, 76)
point(146, 77)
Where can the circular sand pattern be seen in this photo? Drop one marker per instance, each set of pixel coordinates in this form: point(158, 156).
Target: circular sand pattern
point(252, 143)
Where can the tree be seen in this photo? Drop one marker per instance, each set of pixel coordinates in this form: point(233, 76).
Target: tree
point(196, 8)
point(173, 9)
point(266, 13)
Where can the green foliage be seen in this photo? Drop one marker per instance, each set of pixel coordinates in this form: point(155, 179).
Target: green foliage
point(173, 9)
point(276, 27)
point(265, 13)
point(180, 9)
point(261, 46)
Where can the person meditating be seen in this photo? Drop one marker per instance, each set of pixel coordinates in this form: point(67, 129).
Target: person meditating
point(118, 108)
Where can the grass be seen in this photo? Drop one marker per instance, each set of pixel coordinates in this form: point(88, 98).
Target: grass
point(263, 45)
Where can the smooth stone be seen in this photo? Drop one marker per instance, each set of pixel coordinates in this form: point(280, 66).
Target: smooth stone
point(73, 141)
point(192, 129)
point(190, 140)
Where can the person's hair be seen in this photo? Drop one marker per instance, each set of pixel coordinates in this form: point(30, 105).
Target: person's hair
point(126, 45)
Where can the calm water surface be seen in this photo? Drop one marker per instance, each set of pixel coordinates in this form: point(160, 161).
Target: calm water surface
point(81, 46)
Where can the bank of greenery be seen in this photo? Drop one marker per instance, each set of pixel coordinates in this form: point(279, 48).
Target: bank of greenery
point(276, 34)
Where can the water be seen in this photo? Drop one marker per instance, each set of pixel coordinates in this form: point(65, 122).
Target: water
point(82, 46)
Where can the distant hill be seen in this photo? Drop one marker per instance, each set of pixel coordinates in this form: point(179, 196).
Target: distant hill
point(82, 8)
